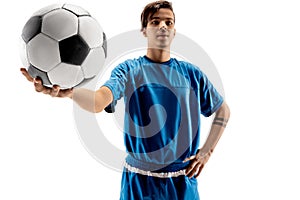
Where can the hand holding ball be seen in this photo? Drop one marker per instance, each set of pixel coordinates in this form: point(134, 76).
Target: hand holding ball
point(63, 45)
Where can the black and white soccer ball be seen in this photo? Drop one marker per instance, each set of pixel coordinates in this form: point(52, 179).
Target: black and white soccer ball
point(63, 45)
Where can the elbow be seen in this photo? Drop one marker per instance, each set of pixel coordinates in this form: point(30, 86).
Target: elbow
point(224, 111)
point(227, 111)
point(98, 108)
point(103, 98)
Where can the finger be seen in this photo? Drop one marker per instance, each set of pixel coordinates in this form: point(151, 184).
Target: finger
point(189, 158)
point(199, 171)
point(54, 91)
point(26, 74)
point(65, 93)
point(194, 170)
point(191, 167)
point(46, 90)
point(38, 85)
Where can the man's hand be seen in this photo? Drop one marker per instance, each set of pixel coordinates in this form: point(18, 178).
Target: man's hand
point(197, 163)
point(55, 91)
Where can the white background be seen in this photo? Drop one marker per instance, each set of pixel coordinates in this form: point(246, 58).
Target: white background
point(255, 46)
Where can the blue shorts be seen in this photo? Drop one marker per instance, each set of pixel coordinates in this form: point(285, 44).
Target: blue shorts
point(136, 186)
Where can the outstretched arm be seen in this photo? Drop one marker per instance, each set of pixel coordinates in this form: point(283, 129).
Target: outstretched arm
point(217, 128)
point(92, 101)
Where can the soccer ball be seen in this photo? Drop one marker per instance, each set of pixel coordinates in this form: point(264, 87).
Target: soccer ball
point(63, 45)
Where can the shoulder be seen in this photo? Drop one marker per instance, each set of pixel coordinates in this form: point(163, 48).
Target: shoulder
point(127, 65)
point(130, 63)
point(190, 68)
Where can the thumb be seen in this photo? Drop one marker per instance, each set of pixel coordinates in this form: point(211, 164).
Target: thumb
point(189, 158)
point(26, 74)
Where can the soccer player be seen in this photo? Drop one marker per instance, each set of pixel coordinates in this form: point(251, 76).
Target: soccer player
point(162, 141)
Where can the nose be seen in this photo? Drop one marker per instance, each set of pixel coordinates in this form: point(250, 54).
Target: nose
point(162, 25)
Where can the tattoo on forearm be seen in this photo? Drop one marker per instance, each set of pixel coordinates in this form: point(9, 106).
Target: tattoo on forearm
point(220, 121)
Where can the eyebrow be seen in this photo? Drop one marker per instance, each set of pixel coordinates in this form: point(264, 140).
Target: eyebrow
point(168, 18)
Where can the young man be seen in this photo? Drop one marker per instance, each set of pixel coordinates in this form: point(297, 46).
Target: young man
point(163, 157)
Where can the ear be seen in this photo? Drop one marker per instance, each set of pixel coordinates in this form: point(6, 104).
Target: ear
point(144, 32)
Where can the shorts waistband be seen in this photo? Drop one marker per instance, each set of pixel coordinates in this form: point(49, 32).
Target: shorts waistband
point(156, 168)
point(154, 174)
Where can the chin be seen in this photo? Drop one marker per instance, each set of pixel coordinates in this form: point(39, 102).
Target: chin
point(163, 45)
point(159, 45)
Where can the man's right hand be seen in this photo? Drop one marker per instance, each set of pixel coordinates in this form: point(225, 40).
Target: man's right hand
point(55, 91)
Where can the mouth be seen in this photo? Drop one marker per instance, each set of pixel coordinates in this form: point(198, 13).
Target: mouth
point(162, 36)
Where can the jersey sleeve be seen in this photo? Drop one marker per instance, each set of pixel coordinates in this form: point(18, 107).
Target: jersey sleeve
point(116, 84)
point(210, 99)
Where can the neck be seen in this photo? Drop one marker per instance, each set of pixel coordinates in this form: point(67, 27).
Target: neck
point(158, 55)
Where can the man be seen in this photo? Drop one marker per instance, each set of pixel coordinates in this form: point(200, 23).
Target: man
point(162, 143)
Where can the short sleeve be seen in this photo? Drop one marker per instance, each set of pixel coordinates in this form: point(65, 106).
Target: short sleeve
point(116, 84)
point(210, 99)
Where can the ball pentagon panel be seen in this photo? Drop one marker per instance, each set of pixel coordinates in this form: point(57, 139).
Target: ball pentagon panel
point(73, 50)
point(32, 28)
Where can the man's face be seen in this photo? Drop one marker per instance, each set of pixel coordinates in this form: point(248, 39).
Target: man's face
point(160, 29)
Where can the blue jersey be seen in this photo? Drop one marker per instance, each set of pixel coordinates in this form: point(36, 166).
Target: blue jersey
point(163, 104)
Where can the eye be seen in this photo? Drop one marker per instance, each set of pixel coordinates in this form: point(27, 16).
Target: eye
point(155, 22)
point(169, 23)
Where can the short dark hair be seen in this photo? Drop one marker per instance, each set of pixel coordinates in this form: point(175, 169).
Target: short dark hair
point(151, 8)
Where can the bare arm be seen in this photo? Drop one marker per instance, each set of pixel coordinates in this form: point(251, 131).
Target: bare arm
point(92, 101)
point(217, 128)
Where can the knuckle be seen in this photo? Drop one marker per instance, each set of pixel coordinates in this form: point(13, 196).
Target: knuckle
point(38, 89)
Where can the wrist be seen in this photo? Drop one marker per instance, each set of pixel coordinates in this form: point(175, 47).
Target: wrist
point(205, 152)
point(70, 95)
